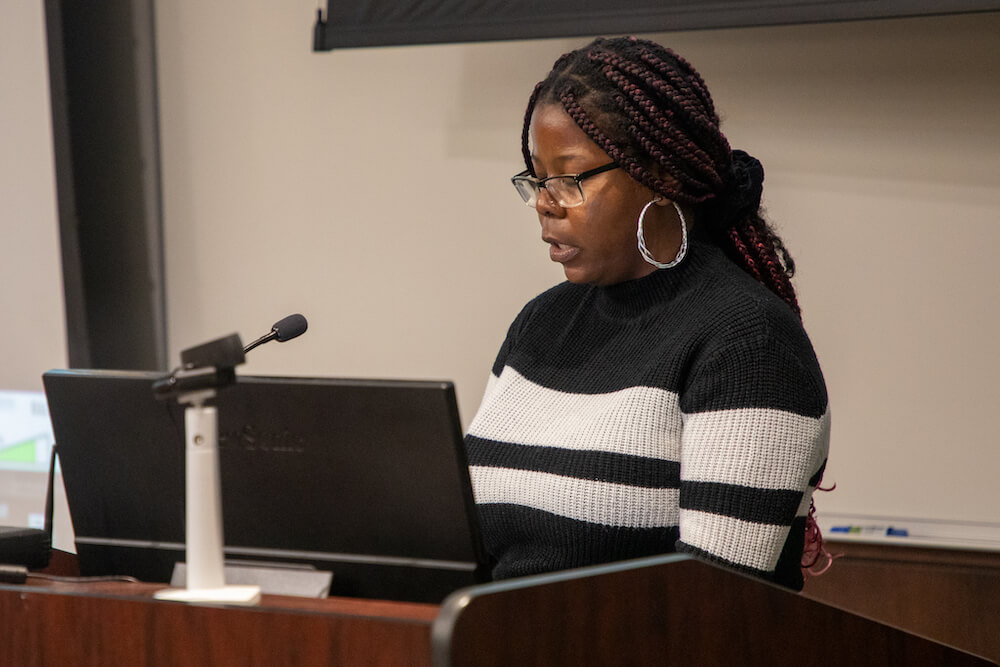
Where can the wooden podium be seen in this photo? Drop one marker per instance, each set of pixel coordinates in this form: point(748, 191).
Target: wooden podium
point(666, 610)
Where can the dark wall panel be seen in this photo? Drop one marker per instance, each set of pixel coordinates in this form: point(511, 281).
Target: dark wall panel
point(103, 82)
point(388, 22)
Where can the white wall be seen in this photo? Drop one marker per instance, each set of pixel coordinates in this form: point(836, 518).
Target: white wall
point(368, 190)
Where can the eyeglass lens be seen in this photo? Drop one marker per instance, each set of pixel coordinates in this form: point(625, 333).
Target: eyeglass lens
point(563, 189)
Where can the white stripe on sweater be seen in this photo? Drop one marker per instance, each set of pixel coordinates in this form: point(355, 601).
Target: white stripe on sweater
point(581, 499)
point(755, 545)
point(754, 447)
point(639, 421)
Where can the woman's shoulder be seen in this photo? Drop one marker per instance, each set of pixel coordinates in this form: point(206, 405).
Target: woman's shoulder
point(747, 332)
point(733, 305)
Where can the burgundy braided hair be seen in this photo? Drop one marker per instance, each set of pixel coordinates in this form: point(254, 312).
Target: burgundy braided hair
point(651, 112)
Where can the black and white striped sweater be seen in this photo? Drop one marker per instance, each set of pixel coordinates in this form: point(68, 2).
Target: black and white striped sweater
point(681, 411)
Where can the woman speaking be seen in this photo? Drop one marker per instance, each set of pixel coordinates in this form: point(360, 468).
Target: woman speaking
point(665, 397)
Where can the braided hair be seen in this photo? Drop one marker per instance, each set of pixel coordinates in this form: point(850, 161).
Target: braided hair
point(651, 112)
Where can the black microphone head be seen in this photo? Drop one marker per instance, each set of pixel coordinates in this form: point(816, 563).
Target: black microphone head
point(289, 327)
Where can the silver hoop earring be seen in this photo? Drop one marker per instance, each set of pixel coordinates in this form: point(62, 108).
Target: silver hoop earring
point(644, 251)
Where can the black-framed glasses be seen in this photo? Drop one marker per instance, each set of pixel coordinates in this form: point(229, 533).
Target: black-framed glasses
point(564, 189)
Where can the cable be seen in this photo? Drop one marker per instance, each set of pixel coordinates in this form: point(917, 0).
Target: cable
point(83, 580)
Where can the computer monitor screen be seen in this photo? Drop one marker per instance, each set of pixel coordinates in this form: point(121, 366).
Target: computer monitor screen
point(25, 448)
point(366, 478)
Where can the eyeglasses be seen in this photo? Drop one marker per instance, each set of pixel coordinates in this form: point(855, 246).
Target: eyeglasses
point(564, 189)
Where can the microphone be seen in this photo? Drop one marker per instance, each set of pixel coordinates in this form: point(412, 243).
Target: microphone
point(284, 329)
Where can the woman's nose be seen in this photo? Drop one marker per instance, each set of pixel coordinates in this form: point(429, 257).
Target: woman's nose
point(545, 204)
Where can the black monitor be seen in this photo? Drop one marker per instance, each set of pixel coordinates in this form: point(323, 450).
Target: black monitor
point(364, 478)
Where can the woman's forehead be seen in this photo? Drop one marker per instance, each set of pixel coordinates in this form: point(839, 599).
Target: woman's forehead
point(556, 136)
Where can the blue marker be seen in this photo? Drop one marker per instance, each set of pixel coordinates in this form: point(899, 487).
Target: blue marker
point(871, 530)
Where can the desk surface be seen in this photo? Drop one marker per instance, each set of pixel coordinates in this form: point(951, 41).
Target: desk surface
point(51, 623)
point(64, 564)
point(387, 609)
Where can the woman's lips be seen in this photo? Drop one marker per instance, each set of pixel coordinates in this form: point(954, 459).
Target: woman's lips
point(562, 253)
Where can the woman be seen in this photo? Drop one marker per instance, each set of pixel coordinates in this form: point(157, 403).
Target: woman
point(666, 397)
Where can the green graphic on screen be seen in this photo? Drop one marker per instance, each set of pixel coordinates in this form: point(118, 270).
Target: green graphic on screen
point(25, 431)
point(22, 452)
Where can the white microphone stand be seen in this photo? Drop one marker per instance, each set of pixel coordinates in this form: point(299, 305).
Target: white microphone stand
point(206, 580)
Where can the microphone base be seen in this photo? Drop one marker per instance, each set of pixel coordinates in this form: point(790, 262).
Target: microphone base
point(234, 595)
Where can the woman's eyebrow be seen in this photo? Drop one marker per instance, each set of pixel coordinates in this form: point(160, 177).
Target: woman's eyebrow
point(561, 160)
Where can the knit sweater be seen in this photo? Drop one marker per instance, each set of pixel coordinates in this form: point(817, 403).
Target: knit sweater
point(682, 411)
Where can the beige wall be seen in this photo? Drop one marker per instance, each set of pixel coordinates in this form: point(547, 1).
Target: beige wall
point(32, 324)
point(367, 189)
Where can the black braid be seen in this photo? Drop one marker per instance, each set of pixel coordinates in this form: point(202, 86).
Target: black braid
point(525, 150)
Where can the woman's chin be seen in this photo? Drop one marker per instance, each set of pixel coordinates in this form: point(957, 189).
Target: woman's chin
point(578, 275)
